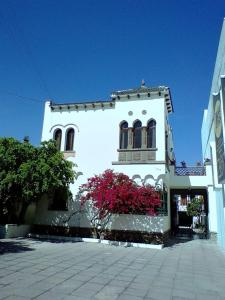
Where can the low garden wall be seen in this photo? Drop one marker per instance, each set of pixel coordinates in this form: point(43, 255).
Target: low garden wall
point(130, 222)
point(13, 230)
point(124, 227)
point(121, 227)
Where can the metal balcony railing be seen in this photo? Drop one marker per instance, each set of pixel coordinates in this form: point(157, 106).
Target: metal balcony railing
point(190, 171)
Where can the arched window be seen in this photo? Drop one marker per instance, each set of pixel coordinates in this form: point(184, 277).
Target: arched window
point(58, 137)
point(123, 135)
point(69, 139)
point(137, 129)
point(151, 134)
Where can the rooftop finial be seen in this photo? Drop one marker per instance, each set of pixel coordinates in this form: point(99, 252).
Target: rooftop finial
point(143, 83)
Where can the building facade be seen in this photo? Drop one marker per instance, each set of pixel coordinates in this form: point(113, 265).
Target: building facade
point(213, 132)
point(129, 133)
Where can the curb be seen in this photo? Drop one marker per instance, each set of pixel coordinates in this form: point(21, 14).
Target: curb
point(93, 240)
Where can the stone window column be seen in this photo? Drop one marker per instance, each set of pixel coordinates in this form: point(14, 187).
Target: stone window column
point(144, 137)
point(130, 138)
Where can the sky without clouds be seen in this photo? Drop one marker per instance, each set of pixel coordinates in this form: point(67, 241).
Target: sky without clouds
point(83, 50)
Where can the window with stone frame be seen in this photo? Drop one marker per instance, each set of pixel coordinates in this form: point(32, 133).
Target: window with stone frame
point(137, 134)
point(69, 139)
point(58, 137)
point(151, 134)
point(124, 135)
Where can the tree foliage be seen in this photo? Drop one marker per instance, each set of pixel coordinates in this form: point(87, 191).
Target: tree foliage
point(194, 208)
point(27, 173)
point(116, 193)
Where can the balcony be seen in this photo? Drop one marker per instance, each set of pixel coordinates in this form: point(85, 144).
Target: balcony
point(135, 156)
point(190, 171)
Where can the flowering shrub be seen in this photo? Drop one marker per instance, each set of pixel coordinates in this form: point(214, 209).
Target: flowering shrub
point(116, 193)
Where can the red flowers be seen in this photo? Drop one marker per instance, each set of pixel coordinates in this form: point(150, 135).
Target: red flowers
point(116, 193)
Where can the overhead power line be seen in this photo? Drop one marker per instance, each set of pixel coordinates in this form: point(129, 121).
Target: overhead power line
point(36, 100)
point(14, 33)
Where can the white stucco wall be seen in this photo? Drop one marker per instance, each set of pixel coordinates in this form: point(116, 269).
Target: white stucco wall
point(190, 181)
point(97, 135)
point(96, 143)
point(212, 214)
point(134, 223)
point(117, 222)
point(215, 192)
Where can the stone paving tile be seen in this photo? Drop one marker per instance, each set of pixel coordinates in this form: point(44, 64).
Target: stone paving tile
point(182, 293)
point(201, 296)
point(136, 292)
point(159, 293)
point(63, 275)
point(27, 292)
point(190, 270)
point(129, 297)
point(17, 298)
point(101, 280)
point(5, 293)
point(106, 296)
point(122, 283)
point(51, 295)
point(54, 280)
point(71, 297)
point(82, 291)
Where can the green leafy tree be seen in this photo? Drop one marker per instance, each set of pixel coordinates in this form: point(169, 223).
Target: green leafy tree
point(27, 173)
point(194, 209)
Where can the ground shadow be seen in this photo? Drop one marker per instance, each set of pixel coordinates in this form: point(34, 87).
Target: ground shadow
point(15, 246)
point(55, 240)
point(172, 242)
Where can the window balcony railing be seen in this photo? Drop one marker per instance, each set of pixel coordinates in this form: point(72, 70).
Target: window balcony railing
point(190, 171)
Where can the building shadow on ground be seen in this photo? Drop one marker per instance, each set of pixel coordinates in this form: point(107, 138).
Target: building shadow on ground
point(54, 240)
point(16, 246)
point(172, 242)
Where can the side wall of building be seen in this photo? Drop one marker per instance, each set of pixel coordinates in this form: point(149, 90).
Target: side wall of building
point(216, 191)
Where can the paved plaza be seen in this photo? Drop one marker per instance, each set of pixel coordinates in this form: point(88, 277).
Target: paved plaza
point(33, 269)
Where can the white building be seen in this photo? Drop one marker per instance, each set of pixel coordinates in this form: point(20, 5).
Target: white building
point(212, 150)
point(129, 133)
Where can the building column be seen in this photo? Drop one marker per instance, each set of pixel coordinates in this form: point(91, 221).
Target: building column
point(130, 138)
point(144, 138)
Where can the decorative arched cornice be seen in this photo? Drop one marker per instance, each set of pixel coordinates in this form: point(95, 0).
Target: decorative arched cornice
point(56, 129)
point(160, 181)
point(152, 119)
point(124, 121)
point(161, 176)
point(137, 179)
point(137, 120)
point(60, 126)
point(136, 176)
point(149, 177)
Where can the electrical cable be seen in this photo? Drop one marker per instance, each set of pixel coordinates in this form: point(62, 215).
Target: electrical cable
point(36, 100)
point(24, 48)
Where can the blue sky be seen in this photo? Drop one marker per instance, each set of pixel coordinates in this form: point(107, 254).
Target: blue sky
point(83, 50)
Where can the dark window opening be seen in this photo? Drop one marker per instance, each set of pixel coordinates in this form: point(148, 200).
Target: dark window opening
point(151, 134)
point(124, 135)
point(60, 198)
point(58, 138)
point(137, 132)
point(69, 139)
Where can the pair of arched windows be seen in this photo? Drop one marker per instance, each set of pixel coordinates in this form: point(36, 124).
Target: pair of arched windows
point(69, 141)
point(137, 134)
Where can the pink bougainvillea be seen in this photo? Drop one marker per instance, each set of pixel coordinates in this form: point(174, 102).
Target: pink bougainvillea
point(116, 193)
